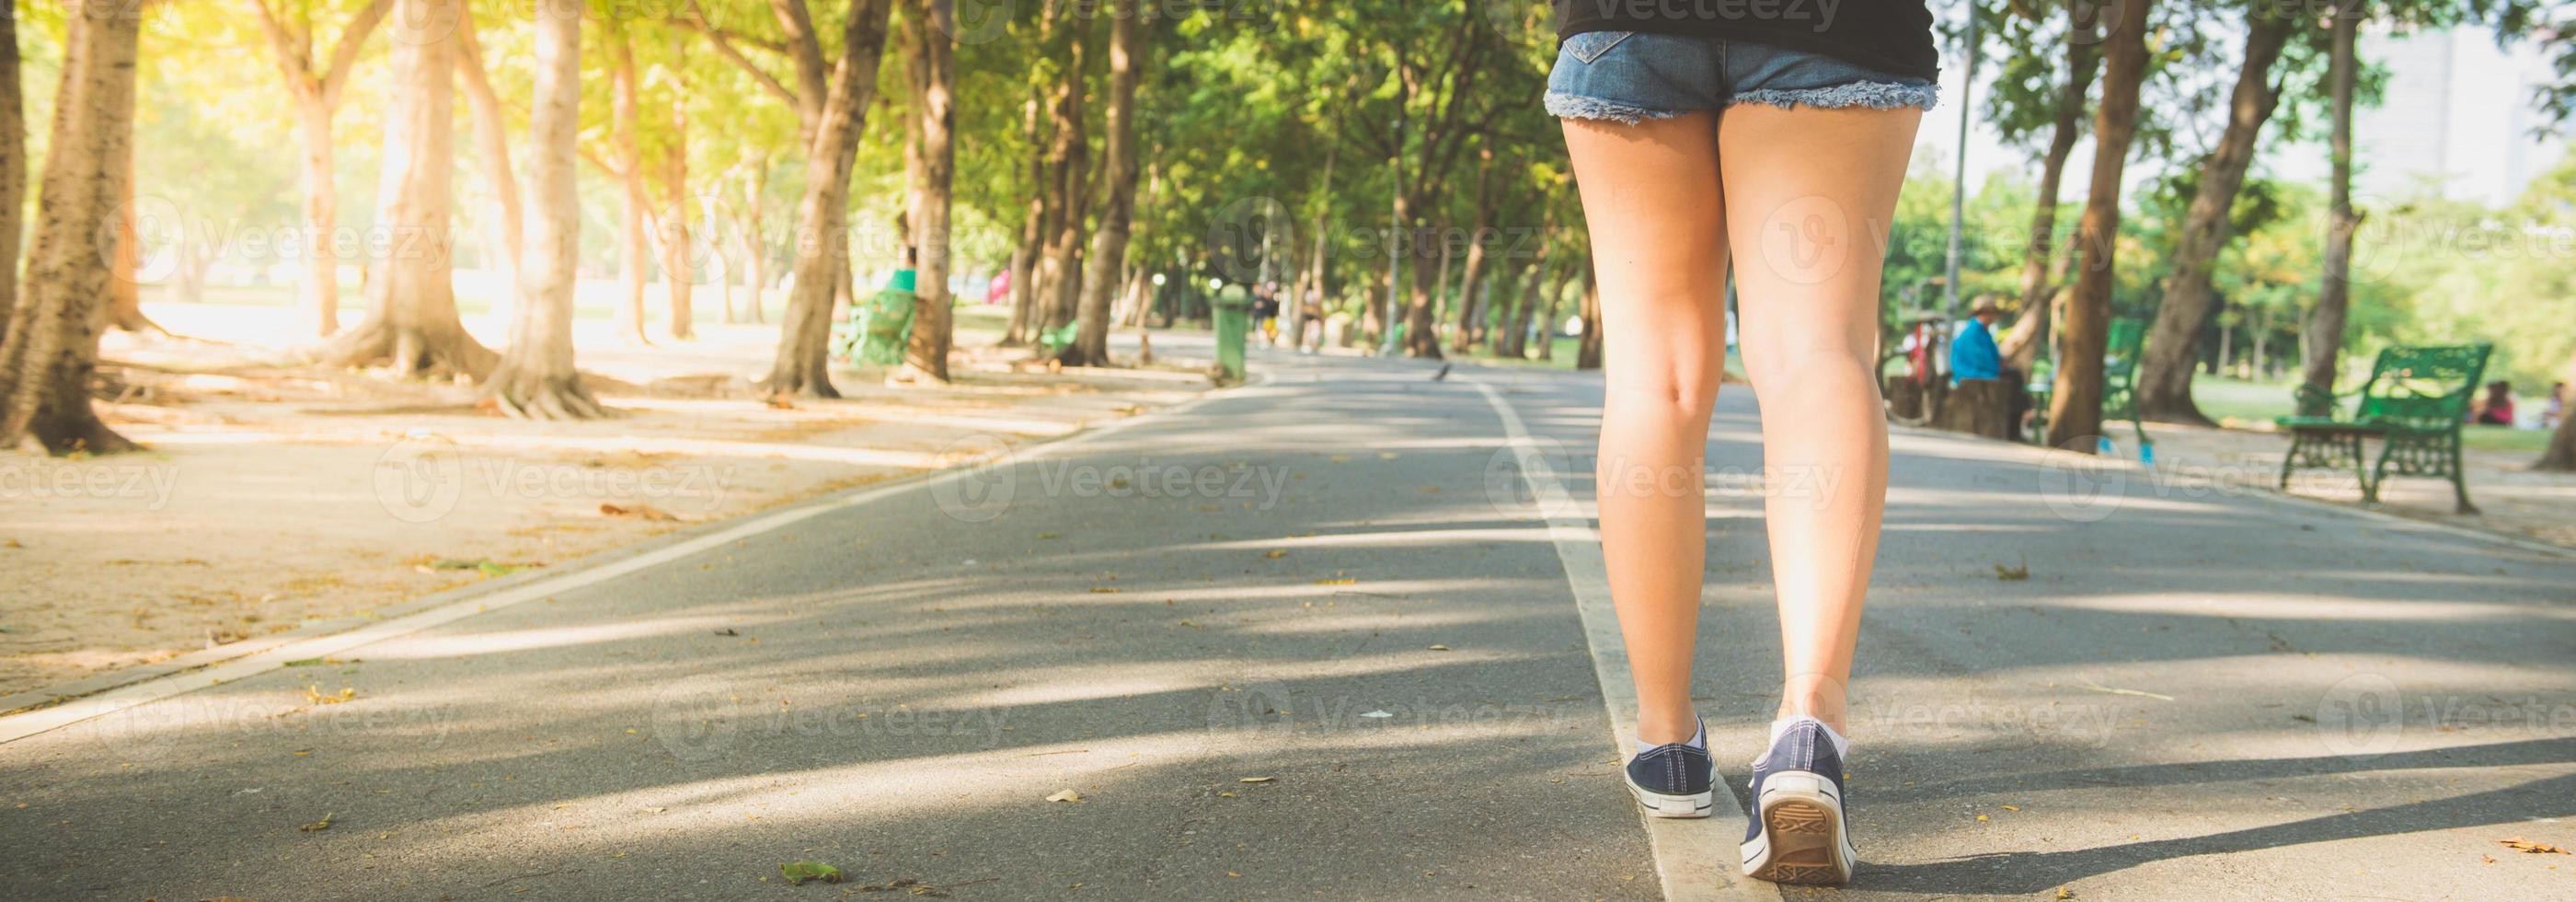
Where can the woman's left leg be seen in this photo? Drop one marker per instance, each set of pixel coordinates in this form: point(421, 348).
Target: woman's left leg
point(1809, 193)
point(1808, 196)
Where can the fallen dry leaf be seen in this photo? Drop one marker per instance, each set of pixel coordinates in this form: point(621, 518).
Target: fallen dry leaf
point(317, 826)
point(1255, 779)
point(2528, 847)
point(638, 511)
point(1065, 795)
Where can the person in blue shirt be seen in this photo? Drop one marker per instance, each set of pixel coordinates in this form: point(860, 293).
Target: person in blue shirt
point(1973, 354)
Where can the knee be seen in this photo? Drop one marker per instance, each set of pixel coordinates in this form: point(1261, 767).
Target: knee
point(1790, 366)
point(1683, 391)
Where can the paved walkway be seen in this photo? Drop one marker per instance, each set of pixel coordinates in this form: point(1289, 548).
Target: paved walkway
point(1317, 637)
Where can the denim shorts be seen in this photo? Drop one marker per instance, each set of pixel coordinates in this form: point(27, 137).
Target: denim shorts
point(1630, 76)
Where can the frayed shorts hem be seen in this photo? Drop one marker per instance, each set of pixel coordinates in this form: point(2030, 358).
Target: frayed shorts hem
point(1867, 95)
point(1576, 106)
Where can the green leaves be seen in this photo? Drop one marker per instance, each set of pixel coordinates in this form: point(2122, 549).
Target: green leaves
point(801, 871)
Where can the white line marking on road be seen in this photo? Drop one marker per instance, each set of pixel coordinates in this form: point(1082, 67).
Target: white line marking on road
point(22, 725)
point(1693, 857)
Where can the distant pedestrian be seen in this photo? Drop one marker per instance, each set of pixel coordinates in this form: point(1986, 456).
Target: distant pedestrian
point(2497, 408)
point(1973, 352)
point(1265, 312)
point(2554, 407)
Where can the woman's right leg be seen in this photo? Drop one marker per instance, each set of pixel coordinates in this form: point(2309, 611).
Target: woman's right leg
point(1651, 201)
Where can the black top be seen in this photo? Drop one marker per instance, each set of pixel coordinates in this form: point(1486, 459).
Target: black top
point(1891, 36)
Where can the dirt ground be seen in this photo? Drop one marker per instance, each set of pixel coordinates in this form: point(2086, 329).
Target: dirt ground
point(274, 495)
point(2511, 498)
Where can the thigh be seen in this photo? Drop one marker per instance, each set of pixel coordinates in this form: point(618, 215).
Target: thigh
point(1652, 204)
point(1809, 195)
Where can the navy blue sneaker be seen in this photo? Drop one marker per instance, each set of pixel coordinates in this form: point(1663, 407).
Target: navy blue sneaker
point(1798, 832)
point(1675, 779)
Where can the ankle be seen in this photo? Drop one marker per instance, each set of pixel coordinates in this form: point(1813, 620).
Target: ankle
point(1667, 727)
point(1826, 711)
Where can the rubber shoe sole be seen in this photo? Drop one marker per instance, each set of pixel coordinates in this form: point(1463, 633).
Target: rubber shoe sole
point(1660, 805)
point(1803, 839)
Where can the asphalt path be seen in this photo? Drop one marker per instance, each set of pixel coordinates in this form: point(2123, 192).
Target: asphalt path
point(1328, 635)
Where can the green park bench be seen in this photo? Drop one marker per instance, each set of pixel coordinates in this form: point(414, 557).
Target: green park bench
point(2415, 403)
point(2127, 339)
point(878, 329)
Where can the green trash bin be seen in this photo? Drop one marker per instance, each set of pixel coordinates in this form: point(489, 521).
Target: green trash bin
point(1233, 322)
point(885, 321)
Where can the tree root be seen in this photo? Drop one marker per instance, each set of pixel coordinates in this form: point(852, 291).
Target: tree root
point(531, 396)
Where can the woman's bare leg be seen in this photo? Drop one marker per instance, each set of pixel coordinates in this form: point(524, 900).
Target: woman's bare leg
point(1651, 200)
point(1809, 193)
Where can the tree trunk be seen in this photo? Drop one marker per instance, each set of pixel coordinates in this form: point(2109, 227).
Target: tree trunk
point(411, 303)
point(318, 296)
point(1127, 38)
point(1319, 264)
point(535, 378)
point(125, 280)
point(1501, 302)
point(1518, 340)
point(2029, 331)
point(803, 364)
point(1421, 307)
point(13, 168)
point(933, 328)
point(2226, 352)
point(1587, 349)
point(1060, 271)
point(633, 253)
point(1464, 339)
point(1549, 304)
point(52, 345)
point(679, 277)
point(725, 273)
point(2173, 346)
point(2262, 330)
point(2322, 335)
point(756, 247)
point(2075, 407)
point(317, 95)
point(2560, 456)
point(491, 145)
point(1033, 230)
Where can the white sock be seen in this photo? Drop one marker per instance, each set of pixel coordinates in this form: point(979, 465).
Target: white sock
point(1698, 740)
point(1842, 746)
